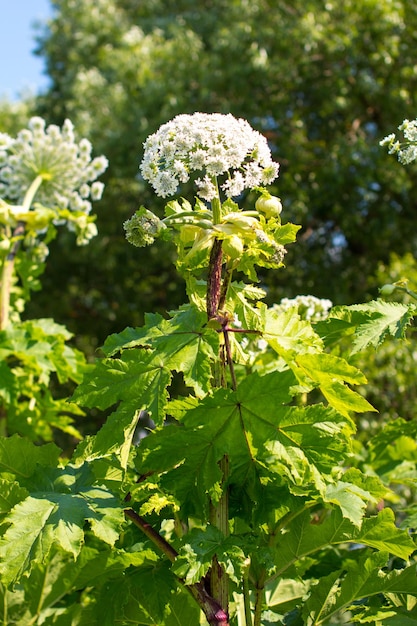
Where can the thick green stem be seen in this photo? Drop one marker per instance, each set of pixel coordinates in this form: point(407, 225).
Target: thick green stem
point(259, 599)
point(259, 602)
point(7, 275)
point(246, 597)
point(216, 207)
point(219, 517)
point(9, 262)
point(215, 614)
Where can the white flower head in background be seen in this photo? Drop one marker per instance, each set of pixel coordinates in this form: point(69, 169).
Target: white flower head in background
point(406, 151)
point(65, 171)
point(308, 307)
point(207, 147)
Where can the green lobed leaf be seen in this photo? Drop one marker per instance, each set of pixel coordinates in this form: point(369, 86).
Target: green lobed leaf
point(10, 494)
point(284, 594)
point(35, 413)
point(322, 367)
point(104, 514)
point(138, 380)
point(20, 457)
point(389, 615)
point(402, 617)
point(29, 538)
point(49, 582)
point(331, 373)
point(257, 433)
point(183, 610)
point(197, 553)
point(139, 597)
point(133, 337)
point(351, 499)
point(56, 518)
point(114, 438)
point(186, 345)
point(51, 588)
point(393, 444)
point(388, 318)
point(183, 343)
point(155, 502)
point(286, 233)
point(302, 537)
point(40, 346)
point(364, 578)
point(367, 324)
point(289, 335)
point(96, 566)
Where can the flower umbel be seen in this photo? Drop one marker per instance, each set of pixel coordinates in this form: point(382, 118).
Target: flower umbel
point(64, 168)
point(207, 146)
point(308, 307)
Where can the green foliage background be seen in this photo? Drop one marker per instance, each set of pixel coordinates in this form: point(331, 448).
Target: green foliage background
point(324, 81)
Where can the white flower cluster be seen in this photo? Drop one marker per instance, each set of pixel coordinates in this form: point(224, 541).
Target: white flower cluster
point(210, 145)
point(67, 170)
point(406, 151)
point(309, 307)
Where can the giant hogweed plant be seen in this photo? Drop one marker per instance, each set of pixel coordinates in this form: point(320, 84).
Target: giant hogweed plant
point(46, 180)
point(226, 486)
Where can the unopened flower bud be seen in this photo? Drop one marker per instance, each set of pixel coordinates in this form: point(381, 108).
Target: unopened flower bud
point(387, 290)
point(142, 228)
point(269, 205)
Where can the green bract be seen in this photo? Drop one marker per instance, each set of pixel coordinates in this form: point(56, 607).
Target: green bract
point(142, 228)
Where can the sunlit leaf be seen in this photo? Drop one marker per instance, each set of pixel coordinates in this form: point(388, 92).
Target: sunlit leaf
point(367, 324)
point(255, 430)
point(379, 532)
point(365, 578)
point(138, 380)
point(20, 457)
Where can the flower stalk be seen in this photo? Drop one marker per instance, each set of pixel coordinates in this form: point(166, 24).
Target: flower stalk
point(7, 275)
point(222, 156)
point(48, 164)
point(214, 279)
point(213, 611)
point(219, 512)
point(9, 261)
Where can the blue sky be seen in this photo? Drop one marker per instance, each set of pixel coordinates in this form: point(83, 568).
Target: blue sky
point(20, 70)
